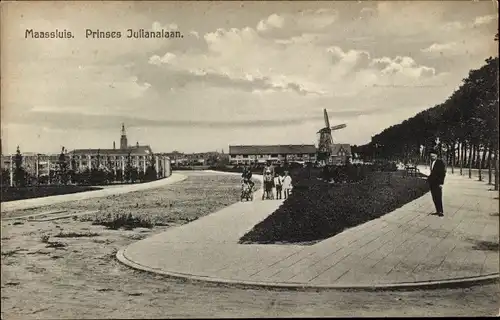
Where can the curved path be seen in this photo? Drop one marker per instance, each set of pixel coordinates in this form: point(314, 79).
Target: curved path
point(106, 191)
point(405, 248)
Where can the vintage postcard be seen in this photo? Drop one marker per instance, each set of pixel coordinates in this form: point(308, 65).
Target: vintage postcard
point(236, 159)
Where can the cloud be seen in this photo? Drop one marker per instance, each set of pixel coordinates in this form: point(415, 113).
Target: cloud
point(59, 119)
point(440, 47)
point(53, 118)
point(157, 26)
point(249, 83)
point(484, 20)
point(478, 46)
point(305, 21)
point(479, 21)
point(405, 66)
point(319, 19)
point(453, 26)
point(273, 21)
point(159, 60)
point(244, 59)
point(305, 38)
point(78, 86)
point(367, 11)
point(407, 18)
point(351, 60)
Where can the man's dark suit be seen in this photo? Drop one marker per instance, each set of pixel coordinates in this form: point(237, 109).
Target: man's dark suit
point(435, 180)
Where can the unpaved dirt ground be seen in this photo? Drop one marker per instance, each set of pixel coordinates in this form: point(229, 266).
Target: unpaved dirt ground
point(77, 275)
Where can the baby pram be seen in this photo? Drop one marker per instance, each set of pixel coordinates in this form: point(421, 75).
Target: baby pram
point(247, 190)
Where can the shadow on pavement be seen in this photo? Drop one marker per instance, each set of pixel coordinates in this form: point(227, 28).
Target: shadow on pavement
point(486, 246)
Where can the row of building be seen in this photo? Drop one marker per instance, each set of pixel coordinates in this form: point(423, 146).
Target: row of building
point(140, 156)
point(252, 154)
point(196, 158)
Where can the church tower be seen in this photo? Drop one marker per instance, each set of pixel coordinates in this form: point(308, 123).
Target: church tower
point(123, 138)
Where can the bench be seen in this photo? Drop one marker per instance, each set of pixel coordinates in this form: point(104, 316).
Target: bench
point(411, 171)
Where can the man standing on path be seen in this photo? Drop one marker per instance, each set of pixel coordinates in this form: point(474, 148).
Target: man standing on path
point(436, 181)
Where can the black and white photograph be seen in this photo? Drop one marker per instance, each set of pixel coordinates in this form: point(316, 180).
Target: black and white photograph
point(249, 159)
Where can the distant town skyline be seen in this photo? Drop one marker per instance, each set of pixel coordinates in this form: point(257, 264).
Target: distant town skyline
point(243, 72)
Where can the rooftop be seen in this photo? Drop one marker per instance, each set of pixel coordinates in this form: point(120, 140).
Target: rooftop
point(136, 150)
point(337, 147)
point(272, 149)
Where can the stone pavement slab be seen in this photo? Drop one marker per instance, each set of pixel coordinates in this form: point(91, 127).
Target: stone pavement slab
point(402, 247)
point(106, 191)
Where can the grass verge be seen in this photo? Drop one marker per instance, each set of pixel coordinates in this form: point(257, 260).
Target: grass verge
point(21, 193)
point(317, 210)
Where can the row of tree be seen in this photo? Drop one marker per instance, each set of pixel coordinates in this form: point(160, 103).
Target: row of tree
point(19, 174)
point(67, 171)
point(464, 128)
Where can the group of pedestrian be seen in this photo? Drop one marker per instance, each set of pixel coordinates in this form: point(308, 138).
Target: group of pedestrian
point(276, 185)
point(280, 182)
point(283, 185)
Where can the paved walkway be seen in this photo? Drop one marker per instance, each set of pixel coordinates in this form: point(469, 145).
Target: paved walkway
point(106, 191)
point(405, 247)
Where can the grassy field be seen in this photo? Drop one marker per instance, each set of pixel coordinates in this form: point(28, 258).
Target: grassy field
point(67, 269)
point(317, 210)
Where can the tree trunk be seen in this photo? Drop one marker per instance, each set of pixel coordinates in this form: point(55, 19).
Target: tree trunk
point(461, 154)
point(496, 168)
point(484, 157)
point(470, 161)
point(452, 156)
point(489, 165)
point(480, 164)
point(464, 155)
point(473, 160)
point(478, 156)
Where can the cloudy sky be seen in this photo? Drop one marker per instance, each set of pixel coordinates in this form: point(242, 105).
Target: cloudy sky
point(244, 73)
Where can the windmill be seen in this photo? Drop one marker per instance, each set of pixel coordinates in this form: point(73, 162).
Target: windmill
point(325, 143)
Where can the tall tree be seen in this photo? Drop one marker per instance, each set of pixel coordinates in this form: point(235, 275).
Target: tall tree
point(128, 168)
point(466, 123)
point(19, 172)
point(63, 168)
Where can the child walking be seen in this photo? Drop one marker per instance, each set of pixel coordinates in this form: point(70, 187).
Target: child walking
point(287, 184)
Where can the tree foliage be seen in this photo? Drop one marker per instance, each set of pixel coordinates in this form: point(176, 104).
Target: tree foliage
point(466, 125)
point(64, 173)
point(468, 116)
point(19, 172)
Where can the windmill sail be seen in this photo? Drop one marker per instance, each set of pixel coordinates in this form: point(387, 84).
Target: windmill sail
point(340, 126)
point(327, 121)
